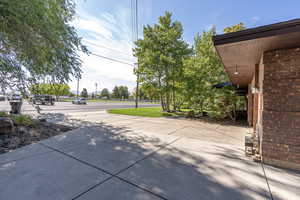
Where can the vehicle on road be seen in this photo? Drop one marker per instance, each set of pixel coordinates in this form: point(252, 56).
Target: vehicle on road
point(15, 97)
point(2, 98)
point(42, 99)
point(79, 101)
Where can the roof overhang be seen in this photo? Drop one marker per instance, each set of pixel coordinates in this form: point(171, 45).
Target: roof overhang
point(242, 50)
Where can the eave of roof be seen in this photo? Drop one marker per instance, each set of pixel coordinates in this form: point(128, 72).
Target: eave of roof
point(258, 32)
point(243, 50)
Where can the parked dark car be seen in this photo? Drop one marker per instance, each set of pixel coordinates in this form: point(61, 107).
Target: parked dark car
point(2, 98)
point(42, 99)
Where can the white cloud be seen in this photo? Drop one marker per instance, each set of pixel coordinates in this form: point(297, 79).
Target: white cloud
point(108, 35)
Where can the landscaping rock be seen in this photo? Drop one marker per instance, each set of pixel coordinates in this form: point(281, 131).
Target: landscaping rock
point(6, 125)
point(21, 135)
point(14, 142)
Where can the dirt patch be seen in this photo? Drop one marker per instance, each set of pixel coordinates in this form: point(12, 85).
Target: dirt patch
point(25, 135)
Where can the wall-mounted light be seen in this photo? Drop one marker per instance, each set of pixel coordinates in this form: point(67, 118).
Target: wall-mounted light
point(236, 71)
point(254, 90)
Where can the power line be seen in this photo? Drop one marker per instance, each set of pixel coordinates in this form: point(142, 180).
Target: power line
point(135, 34)
point(112, 59)
point(136, 20)
point(98, 45)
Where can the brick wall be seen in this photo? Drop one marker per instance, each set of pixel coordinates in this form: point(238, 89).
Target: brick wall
point(281, 113)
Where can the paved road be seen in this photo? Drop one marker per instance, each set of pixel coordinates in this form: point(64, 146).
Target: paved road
point(68, 107)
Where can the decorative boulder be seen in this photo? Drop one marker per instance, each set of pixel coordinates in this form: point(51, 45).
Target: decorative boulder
point(6, 125)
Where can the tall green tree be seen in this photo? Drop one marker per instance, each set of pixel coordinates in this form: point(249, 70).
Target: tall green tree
point(149, 92)
point(37, 41)
point(123, 92)
point(201, 72)
point(105, 93)
point(115, 92)
point(51, 89)
point(160, 54)
point(84, 93)
point(59, 90)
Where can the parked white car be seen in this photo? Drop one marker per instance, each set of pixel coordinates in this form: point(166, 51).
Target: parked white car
point(79, 101)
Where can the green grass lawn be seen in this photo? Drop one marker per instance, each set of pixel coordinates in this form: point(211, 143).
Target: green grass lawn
point(143, 112)
point(117, 101)
point(107, 101)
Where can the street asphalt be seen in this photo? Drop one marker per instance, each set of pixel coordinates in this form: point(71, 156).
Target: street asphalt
point(68, 107)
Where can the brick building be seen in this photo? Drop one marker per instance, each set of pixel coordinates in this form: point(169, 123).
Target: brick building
point(265, 62)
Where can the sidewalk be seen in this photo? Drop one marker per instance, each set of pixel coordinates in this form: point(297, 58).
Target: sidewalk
point(131, 158)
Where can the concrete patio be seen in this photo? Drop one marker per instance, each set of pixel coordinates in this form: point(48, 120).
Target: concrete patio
point(133, 158)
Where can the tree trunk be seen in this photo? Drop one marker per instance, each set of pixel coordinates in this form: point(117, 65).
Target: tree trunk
point(161, 94)
point(167, 97)
point(174, 97)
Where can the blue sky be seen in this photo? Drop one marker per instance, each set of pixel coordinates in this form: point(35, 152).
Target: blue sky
point(105, 26)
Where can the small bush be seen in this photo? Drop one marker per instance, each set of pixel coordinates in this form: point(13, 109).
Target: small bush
point(3, 114)
point(24, 120)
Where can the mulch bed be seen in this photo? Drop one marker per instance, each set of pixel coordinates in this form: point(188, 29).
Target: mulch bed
point(25, 135)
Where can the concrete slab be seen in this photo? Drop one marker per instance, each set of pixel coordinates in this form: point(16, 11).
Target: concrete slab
point(47, 176)
point(155, 128)
point(155, 120)
point(22, 153)
point(117, 153)
point(123, 122)
point(284, 184)
point(116, 189)
point(82, 136)
point(212, 173)
point(204, 134)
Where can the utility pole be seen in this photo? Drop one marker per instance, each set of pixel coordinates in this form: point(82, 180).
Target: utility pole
point(137, 88)
point(77, 87)
point(96, 84)
point(135, 34)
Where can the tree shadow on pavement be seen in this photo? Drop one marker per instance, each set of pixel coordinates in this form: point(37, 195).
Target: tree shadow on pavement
point(155, 163)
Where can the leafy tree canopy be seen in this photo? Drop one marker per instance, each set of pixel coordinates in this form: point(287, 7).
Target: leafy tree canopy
point(84, 93)
point(202, 71)
point(160, 54)
point(123, 91)
point(115, 92)
point(120, 92)
point(105, 93)
point(235, 28)
point(38, 41)
point(51, 89)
